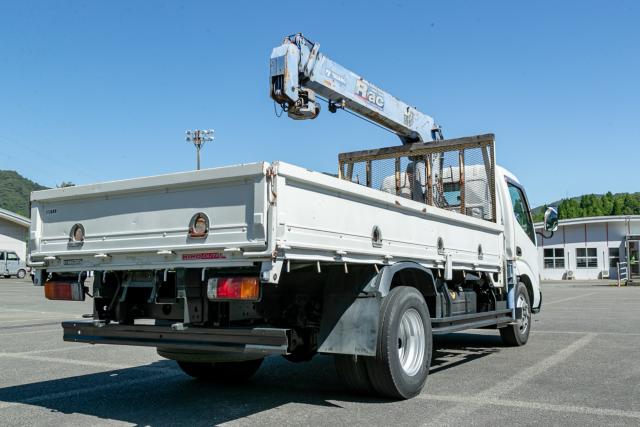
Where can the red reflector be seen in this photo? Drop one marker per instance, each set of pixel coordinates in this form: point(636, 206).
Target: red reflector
point(243, 288)
point(68, 291)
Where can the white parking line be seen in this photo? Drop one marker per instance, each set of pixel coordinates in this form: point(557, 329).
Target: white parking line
point(567, 299)
point(86, 390)
point(516, 381)
point(588, 410)
point(54, 350)
point(30, 320)
point(39, 331)
point(631, 334)
point(20, 310)
point(88, 363)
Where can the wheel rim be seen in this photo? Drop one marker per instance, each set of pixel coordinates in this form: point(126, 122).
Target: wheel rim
point(411, 342)
point(523, 323)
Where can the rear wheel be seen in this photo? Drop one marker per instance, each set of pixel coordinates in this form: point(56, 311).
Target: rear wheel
point(518, 334)
point(21, 274)
point(403, 353)
point(222, 372)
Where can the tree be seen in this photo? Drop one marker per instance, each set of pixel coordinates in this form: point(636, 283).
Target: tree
point(64, 184)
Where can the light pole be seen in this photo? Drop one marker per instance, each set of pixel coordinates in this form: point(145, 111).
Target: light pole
point(198, 138)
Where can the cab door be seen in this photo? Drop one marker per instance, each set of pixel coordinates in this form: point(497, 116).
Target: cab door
point(526, 251)
point(13, 263)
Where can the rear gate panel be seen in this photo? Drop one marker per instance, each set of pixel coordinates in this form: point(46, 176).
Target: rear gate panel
point(139, 217)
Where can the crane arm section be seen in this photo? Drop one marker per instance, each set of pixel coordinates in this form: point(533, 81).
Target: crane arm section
point(298, 71)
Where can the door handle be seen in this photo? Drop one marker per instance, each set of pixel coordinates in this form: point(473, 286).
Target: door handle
point(518, 251)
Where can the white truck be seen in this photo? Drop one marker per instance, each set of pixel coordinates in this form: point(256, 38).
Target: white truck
point(219, 268)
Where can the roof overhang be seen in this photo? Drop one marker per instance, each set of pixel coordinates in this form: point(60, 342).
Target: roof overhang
point(14, 218)
point(593, 220)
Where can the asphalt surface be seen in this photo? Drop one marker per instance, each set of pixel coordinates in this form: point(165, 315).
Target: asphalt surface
point(580, 367)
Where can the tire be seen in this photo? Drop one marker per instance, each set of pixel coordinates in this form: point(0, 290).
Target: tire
point(21, 274)
point(518, 334)
point(403, 354)
point(222, 372)
point(353, 372)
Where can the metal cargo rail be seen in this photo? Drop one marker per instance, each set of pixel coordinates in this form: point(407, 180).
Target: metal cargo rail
point(455, 174)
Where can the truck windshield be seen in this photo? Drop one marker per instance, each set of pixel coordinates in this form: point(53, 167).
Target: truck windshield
point(521, 210)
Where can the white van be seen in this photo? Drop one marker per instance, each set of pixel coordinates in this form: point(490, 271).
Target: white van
point(12, 265)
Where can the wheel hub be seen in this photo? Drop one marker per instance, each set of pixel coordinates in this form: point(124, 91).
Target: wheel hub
point(523, 323)
point(411, 342)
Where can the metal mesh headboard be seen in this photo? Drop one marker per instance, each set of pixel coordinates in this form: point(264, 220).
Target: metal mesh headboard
point(454, 174)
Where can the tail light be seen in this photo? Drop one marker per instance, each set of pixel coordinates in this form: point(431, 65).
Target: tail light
point(233, 288)
point(68, 291)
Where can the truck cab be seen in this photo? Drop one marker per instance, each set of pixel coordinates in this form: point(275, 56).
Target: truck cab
point(519, 235)
point(12, 265)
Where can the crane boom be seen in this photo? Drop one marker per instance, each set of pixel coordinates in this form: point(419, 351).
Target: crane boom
point(298, 71)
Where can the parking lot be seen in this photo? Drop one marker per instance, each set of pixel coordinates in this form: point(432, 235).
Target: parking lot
point(581, 367)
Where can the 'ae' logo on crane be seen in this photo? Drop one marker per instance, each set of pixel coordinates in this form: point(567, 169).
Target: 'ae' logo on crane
point(370, 93)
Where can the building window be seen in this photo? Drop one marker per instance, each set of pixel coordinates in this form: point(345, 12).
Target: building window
point(554, 258)
point(614, 257)
point(586, 258)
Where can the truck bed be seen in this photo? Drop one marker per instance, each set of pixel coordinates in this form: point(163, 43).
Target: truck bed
point(259, 211)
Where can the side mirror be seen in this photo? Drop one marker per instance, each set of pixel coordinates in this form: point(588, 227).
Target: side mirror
point(551, 219)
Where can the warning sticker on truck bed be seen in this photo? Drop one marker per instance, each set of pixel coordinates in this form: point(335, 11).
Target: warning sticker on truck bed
point(202, 256)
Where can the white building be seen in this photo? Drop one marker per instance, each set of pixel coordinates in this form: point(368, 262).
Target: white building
point(14, 230)
point(590, 248)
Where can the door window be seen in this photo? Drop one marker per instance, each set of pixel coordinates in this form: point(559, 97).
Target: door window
point(11, 256)
point(1, 256)
point(521, 210)
point(614, 257)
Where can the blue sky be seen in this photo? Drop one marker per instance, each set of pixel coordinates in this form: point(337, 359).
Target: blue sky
point(103, 90)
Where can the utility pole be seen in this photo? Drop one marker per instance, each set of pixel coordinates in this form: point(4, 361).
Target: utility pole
point(198, 138)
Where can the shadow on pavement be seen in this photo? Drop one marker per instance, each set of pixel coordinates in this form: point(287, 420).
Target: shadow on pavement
point(159, 394)
point(457, 349)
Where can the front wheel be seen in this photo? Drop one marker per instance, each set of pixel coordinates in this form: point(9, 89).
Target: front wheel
point(403, 354)
point(518, 334)
point(21, 274)
point(222, 372)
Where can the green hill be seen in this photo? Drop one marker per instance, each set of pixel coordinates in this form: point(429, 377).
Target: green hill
point(593, 205)
point(14, 192)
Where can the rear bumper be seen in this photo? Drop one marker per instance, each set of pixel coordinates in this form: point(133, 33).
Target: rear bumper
point(242, 340)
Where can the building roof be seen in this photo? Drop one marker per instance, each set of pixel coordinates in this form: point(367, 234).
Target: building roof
point(15, 218)
point(594, 220)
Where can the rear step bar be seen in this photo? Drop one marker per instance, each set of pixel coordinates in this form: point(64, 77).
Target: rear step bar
point(244, 340)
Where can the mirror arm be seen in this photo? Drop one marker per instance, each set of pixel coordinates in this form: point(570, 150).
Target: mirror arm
point(545, 236)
